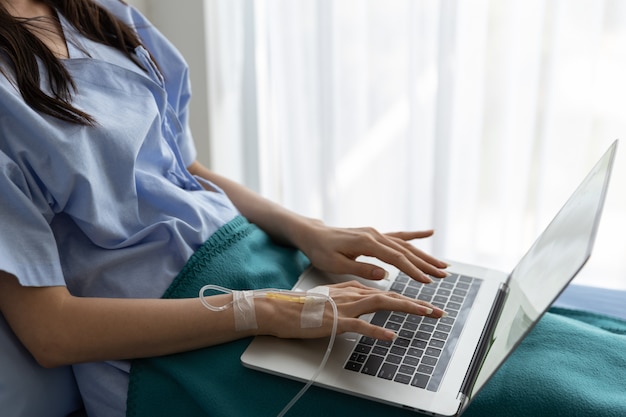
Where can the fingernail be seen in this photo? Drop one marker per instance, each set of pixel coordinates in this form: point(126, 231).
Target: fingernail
point(391, 335)
point(444, 315)
point(428, 310)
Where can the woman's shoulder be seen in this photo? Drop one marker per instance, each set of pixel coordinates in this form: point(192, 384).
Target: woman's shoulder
point(122, 10)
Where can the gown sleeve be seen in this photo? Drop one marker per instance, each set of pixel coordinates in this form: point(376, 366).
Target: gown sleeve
point(28, 249)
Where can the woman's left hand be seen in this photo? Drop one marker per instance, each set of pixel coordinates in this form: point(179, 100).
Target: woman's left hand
point(336, 250)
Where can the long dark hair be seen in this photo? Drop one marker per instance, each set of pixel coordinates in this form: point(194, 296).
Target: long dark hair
point(23, 49)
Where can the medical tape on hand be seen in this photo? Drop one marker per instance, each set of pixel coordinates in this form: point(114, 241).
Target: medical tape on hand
point(243, 307)
point(313, 310)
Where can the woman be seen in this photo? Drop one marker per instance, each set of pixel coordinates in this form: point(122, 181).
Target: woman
point(104, 205)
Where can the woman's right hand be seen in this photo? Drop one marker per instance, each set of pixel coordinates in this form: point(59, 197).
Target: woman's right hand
point(281, 318)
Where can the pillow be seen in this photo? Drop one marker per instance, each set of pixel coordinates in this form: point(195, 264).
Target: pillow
point(29, 390)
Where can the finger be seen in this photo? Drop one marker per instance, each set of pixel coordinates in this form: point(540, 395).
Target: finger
point(365, 270)
point(406, 236)
point(366, 329)
point(351, 284)
point(427, 263)
point(363, 302)
point(358, 299)
point(400, 257)
point(389, 250)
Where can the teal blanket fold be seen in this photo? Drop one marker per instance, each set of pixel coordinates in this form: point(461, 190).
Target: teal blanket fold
point(571, 364)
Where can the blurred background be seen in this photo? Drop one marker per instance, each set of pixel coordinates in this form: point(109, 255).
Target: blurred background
point(476, 118)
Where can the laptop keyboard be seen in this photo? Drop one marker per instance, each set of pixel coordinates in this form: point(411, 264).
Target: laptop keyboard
point(422, 351)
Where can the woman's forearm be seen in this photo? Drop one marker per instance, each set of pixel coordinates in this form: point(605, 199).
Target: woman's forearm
point(59, 329)
point(332, 249)
point(283, 225)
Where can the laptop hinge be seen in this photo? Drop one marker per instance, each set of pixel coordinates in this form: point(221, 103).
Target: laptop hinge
point(484, 343)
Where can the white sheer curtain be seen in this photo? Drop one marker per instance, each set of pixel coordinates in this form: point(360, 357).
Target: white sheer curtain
point(474, 117)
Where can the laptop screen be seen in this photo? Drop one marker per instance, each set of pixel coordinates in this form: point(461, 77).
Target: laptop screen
point(550, 264)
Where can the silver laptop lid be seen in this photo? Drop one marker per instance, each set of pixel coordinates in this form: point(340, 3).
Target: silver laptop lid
point(551, 263)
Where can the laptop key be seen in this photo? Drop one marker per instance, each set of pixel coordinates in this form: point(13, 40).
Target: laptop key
point(403, 379)
point(427, 328)
point(420, 380)
point(372, 364)
point(353, 366)
point(384, 343)
point(436, 343)
point(396, 318)
point(447, 320)
point(406, 369)
point(416, 352)
point(428, 291)
point(362, 348)
point(420, 344)
point(380, 318)
point(409, 326)
point(429, 360)
point(394, 359)
point(425, 369)
point(388, 370)
point(392, 326)
point(440, 335)
point(357, 357)
point(402, 342)
point(444, 327)
point(402, 277)
point(443, 291)
point(368, 340)
point(415, 284)
point(411, 292)
point(422, 336)
point(379, 350)
point(433, 352)
point(398, 350)
point(410, 360)
point(455, 306)
point(440, 299)
point(413, 318)
point(459, 292)
point(407, 334)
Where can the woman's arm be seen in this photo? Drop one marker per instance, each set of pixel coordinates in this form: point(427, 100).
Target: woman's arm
point(331, 249)
point(58, 328)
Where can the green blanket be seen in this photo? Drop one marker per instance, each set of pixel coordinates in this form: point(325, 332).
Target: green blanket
point(571, 364)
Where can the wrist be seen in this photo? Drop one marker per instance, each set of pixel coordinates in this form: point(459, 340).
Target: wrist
point(300, 232)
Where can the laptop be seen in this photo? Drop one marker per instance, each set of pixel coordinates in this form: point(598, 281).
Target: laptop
point(437, 366)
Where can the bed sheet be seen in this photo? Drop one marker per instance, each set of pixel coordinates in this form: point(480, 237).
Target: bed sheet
point(598, 300)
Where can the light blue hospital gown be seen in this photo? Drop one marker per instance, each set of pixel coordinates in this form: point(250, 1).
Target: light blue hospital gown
point(109, 211)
